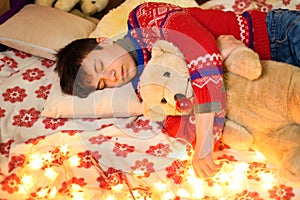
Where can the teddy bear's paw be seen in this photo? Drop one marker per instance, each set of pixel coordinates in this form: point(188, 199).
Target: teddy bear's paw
point(236, 136)
point(290, 165)
point(154, 113)
point(244, 62)
point(156, 117)
point(65, 5)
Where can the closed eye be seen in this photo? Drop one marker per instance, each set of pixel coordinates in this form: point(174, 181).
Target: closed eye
point(98, 67)
point(167, 74)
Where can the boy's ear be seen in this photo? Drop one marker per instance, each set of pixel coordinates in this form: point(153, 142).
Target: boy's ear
point(103, 41)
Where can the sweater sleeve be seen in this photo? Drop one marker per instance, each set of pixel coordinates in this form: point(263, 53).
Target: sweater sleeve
point(174, 24)
point(218, 22)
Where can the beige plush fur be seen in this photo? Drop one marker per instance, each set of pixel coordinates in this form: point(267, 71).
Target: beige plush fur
point(114, 23)
point(159, 81)
point(88, 7)
point(263, 105)
point(264, 114)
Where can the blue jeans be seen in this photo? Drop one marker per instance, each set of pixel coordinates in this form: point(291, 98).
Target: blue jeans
point(284, 35)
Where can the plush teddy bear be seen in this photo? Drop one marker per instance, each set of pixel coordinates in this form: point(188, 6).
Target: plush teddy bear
point(167, 79)
point(263, 104)
point(114, 24)
point(88, 7)
point(264, 114)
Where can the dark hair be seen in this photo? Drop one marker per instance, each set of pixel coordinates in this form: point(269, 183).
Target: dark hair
point(68, 63)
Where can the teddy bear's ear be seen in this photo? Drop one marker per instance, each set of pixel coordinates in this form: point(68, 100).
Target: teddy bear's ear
point(161, 47)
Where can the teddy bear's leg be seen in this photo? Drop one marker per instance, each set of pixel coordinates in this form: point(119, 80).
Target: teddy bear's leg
point(290, 165)
point(294, 96)
point(236, 136)
point(47, 3)
point(80, 14)
point(244, 62)
point(289, 144)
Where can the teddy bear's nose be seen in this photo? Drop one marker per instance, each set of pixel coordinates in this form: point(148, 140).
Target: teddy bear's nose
point(183, 104)
point(178, 96)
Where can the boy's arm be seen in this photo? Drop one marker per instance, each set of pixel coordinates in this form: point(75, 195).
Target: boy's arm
point(205, 65)
point(202, 158)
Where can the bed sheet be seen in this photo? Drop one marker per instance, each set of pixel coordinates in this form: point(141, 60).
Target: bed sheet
point(240, 6)
point(107, 158)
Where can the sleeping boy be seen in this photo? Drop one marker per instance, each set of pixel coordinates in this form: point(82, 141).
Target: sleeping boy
point(86, 65)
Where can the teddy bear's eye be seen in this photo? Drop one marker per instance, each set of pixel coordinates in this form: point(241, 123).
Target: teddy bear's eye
point(93, 2)
point(163, 101)
point(167, 74)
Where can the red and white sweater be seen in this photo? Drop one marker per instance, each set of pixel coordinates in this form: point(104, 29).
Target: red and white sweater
point(194, 31)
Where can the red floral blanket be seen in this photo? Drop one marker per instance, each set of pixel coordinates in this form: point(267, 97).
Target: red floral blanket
point(106, 158)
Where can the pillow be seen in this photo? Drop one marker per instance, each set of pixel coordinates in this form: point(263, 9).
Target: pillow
point(107, 103)
point(41, 31)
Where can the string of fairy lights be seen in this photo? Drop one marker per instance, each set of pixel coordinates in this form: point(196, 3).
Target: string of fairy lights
point(57, 163)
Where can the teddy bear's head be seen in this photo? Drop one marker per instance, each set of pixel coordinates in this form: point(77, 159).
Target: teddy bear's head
point(165, 83)
point(90, 7)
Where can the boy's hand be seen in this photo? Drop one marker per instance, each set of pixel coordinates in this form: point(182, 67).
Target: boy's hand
point(227, 43)
point(203, 163)
point(205, 167)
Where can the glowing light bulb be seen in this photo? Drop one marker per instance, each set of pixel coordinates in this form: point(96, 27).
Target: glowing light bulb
point(42, 193)
point(192, 180)
point(198, 194)
point(160, 186)
point(76, 187)
point(138, 172)
point(36, 162)
point(235, 186)
point(110, 197)
point(224, 177)
point(27, 183)
point(74, 161)
point(78, 196)
point(238, 176)
point(183, 193)
point(27, 180)
point(218, 190)
point(267, 179)
point(241, 167)
point(47, 156)
point(50, 173)
point(64, 149)
point(118, 187)
point(168, 195)
point(53, 193)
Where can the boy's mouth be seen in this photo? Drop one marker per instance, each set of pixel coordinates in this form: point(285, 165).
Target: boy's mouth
point(123, 73)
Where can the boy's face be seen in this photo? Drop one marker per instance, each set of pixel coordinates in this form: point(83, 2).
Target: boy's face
point(109, 67)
